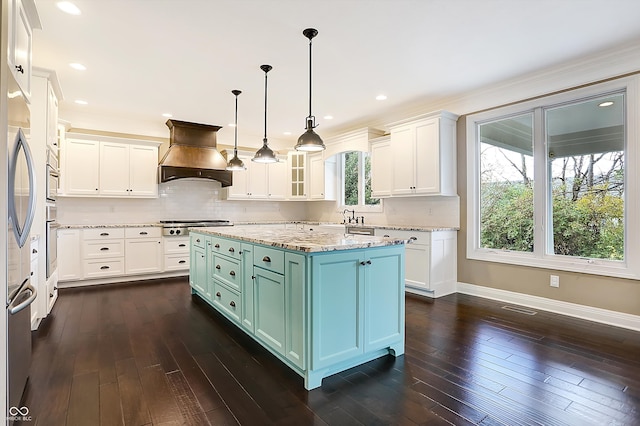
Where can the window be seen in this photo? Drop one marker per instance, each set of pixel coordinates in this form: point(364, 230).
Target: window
point(356, 179)
point(552, 182)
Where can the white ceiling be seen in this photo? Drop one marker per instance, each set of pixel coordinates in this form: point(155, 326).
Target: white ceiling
point(148, 57)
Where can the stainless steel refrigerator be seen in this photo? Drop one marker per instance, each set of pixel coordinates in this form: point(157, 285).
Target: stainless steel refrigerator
point(21, 207)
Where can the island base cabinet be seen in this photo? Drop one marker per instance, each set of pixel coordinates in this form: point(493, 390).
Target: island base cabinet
point(295, 309)
point(269, 314)
point(198, 271)
point(226, 300)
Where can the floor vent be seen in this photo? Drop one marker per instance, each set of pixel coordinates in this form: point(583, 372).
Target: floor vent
point(519, 310)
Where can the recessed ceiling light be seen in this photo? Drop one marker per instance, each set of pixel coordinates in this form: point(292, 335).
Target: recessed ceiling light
point(77, 66)
point(381, 97)
point(328, 117)
point(81, 102)
point(287, 133)
point(167, 115)
point(68, 7)
point(232, 124)
point(605, 104)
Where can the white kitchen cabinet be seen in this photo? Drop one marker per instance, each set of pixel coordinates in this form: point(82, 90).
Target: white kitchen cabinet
point(176, 253)
point(52, 119)
point(430, 260)
point(128, 170)
point(423, 153)
point(259, 181)
point(381, 167)
point(80, 168)
point(109, 168)
point(143, 250)
point(297, 175)
point(23, 19)
point(69, 255)
point(322, 177)
point(38, 308)
point(102, 252)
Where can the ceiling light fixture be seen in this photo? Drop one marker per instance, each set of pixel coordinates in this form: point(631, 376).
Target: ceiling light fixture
point(328, 117)
point(309, 140)
point(235, 164)
point(167, 115)
point(381, 98)
point(605, 104)
point(78, 66)
point(265, 154)
point(68, 7)
point(81, 102)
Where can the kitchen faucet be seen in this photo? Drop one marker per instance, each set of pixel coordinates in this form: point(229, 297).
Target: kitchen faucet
point(352, 218)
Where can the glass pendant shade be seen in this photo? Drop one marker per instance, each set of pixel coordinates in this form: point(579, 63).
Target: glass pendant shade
point(235, 164)
point(265, 154)
point(310, 141)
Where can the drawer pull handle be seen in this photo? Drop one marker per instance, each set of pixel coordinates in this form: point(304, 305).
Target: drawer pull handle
point(232, 304)
point(232, 273)
point(182, 261)
point(104, 234)
point(217, 246)
point(104, 248)
point(181, 245)
point(218, 294)
point(386, 235)
point(232, 250)
point(413, 238)
point(218, 267)
point(266, 259)
point(144, 233)
point(104, 267)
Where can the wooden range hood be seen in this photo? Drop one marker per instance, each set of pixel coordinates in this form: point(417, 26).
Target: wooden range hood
point(193, 154)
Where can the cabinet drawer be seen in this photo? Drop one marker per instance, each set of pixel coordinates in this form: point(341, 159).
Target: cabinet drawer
point(176, 245)
point(102, 233)
point(103, 268)
point(198, 240)
point(176, 262)
point(269, 258)
point(416, 237)
point(143, 232)
point(227, 270)
point(226, 247)
point(102, 249)
point(226, 300)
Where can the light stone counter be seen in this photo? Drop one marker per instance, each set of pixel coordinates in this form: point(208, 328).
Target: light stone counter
point(299, 240)
point(357, 225)
point(111, 225)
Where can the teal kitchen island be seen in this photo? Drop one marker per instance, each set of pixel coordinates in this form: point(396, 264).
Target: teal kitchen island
point(320, 302)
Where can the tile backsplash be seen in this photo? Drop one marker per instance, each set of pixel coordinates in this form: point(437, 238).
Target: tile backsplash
point(177, 200)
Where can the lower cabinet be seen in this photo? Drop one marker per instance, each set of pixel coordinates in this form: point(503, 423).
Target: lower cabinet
point(143, 250)
point(320, 313)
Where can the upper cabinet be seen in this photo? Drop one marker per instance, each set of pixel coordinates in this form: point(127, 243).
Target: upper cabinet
point(322, 177)
point(259, 181)
point(297, 175)
point(421, 156)
point(23, 19)
point(109, 168)
point(381, 167)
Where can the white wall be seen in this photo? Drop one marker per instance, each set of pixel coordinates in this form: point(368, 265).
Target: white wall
point(181, 199)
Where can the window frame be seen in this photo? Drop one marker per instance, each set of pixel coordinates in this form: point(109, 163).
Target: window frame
point(540, 258)
point(360, 207)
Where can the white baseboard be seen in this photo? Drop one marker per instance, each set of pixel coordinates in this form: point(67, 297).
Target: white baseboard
point(618, 319)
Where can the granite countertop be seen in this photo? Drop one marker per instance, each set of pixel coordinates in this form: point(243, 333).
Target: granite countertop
point(110, 225)
point(299, 240)
point(358, 225)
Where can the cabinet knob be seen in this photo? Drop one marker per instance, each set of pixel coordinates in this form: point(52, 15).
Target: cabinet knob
point(231, 250)
point(266, 259)
point(217, 246)
point(197, 240)
point(232, 304)
point(253, 277)
point(363, 263)
point(34, 251)
point(20, 69)
point(232, 273)
point(218, 294)
point(218, 267)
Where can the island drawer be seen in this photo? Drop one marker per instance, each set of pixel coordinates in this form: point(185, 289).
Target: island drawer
point(198, 240)
point(227, 300)
point(269, 258)
point(226, 247)
point(227, 270)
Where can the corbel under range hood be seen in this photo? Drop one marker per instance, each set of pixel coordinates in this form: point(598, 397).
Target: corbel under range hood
point(193, 154)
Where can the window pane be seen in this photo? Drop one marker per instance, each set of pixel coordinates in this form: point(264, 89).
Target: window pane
point(350, 178)
point(367, 182)
point(506, 184)
point(585, 142)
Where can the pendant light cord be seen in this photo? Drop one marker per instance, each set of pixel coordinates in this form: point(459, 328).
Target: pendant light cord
point(310, 80)
point(265, 106)
point(235, 133)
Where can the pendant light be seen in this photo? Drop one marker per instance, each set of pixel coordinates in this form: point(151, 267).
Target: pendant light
point(236, 164)
point(265, 154)
point(309, 140)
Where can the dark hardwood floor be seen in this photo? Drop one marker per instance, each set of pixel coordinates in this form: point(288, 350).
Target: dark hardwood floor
point(150, 354)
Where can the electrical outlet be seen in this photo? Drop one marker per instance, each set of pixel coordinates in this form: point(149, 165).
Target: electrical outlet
point(554, 281)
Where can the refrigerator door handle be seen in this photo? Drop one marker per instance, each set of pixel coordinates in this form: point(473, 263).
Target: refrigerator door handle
point(14, 309)
point(21, 230)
